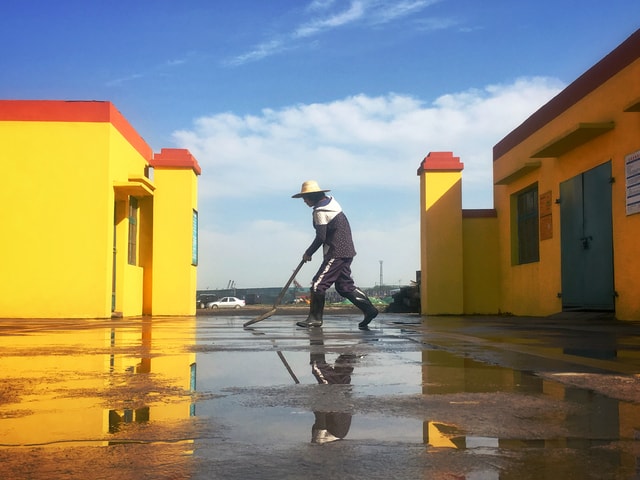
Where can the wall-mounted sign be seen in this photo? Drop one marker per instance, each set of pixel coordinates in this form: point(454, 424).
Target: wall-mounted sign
point(632, 177)
point(546, 218)
point(545, 203)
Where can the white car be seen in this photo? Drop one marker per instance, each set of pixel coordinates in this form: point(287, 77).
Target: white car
point(227, 302)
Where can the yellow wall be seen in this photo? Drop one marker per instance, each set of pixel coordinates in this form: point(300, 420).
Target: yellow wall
point(533, 289)
point(441, 243)
point(459, 261)
point(145, 258)
point(481, 268)
point(125, 164)
point(55, 198)
point(174, 276)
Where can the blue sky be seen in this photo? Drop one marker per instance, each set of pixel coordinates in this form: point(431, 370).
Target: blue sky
point(351, 93)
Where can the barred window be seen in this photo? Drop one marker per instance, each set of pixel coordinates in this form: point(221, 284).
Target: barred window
point(527, 219)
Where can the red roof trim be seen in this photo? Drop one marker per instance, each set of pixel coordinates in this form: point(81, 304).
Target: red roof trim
point(73, 111)
point(440, 161)
point(175, 158)
point(626, 53)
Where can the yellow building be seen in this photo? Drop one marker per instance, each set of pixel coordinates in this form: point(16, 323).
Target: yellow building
point(87, 231)
point(565, 229)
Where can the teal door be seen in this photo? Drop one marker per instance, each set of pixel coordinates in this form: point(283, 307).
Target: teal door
point(587, 241)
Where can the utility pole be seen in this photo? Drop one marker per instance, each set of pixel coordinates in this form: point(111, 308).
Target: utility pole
point(381, 280)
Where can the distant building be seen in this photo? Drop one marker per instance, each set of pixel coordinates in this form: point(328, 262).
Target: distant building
point(565, 229)
point(88, 232)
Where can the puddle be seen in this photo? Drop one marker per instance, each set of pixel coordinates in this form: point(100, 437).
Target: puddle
point(203, 398)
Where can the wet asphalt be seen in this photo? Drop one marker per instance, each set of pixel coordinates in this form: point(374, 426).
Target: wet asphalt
point(415, 397)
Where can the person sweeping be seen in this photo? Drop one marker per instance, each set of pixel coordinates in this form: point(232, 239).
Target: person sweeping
point(333, 234)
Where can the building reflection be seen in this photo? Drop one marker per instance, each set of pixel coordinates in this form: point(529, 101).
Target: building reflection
point(599, 420)
point(91, 383)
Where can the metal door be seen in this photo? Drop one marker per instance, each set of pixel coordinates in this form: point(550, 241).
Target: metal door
point(587, 241)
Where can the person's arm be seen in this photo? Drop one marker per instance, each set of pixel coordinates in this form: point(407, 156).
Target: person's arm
point(321, 235)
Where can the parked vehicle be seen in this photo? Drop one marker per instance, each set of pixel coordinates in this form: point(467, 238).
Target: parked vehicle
point(204, 300)
point(227, 302)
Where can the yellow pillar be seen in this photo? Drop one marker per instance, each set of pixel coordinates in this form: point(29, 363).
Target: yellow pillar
point(175, 233)
point(441, 247)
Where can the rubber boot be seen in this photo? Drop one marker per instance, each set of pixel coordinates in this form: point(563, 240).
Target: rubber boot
point(319, 432)
point(316, 310)
point(360, 300)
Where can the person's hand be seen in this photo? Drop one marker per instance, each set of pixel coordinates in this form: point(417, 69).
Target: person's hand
point(306, 258)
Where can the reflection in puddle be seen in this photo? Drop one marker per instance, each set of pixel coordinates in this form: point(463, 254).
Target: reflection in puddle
point(261, 400)
point(590, 423)
point(83, 386)
point(329, 426)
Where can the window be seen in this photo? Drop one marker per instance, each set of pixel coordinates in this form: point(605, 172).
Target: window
point(194, 239)
point(527, 223)
point(133, 230)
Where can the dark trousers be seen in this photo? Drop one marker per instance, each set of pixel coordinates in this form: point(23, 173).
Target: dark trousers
point(334, 271)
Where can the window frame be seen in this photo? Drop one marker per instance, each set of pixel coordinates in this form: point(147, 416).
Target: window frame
point(194, 238)
point(525, 232)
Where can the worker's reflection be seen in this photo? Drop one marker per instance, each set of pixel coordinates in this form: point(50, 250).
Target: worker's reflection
point(329, 426)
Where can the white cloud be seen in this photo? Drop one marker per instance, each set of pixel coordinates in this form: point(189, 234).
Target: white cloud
point(393, 10)
point(259, 52)
point(376, 135)
point(117, 82)
point(256, 253)
point(355, 12)
point(358, 146)
point(328, 15)
point(320, 4)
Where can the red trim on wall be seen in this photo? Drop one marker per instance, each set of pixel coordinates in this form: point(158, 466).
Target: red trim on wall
point(53, 111)
point(441, 161)
point(626, 53)
point(128, 132)
point(175, 158)
point(479, 213)
point(73, 111)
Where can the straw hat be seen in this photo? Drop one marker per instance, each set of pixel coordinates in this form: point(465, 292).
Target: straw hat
point(310, 186)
